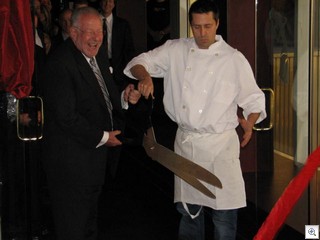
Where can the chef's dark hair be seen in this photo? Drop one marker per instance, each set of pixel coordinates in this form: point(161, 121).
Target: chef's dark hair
point(204, 6)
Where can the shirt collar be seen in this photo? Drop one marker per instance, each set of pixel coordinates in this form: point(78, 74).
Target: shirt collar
point(218, 41)
point(87, 58)
point(110, 18)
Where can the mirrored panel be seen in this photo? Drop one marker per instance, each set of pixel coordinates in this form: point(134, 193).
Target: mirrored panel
point(30, 118)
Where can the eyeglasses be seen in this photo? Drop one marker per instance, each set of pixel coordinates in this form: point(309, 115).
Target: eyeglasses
point(90, 32)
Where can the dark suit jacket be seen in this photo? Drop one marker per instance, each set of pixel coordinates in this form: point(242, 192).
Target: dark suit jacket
point(56, 41)
point(76, 116)
point(123, 50)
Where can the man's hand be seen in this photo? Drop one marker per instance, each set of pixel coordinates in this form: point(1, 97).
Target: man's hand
point(113, 141)
point(247, 126)
point(131, 95)
point(25, 119)
point(145, 85)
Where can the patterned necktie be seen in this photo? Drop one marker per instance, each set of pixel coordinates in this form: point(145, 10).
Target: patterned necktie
point(103, 86)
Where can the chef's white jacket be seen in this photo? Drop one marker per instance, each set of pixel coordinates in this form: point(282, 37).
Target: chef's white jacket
point(202, 91)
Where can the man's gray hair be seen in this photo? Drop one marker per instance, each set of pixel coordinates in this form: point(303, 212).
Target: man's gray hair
point(78, 12)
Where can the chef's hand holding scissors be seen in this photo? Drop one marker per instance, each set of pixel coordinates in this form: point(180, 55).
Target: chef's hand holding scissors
point(145, 87)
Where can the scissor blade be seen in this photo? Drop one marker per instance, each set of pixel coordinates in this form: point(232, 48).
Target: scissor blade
point(195, 183)
point(176, 163)
point(165, 160)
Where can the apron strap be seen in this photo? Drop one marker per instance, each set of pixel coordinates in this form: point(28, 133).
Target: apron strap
point(185, 206)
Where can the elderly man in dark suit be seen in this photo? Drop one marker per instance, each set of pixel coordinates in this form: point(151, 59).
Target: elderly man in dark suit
point(83, 120)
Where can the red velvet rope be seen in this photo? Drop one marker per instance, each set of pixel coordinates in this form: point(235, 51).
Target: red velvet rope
point(288, 199)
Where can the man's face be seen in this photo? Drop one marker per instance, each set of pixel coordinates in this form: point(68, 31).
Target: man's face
point(107, 7)
point(204, 28)
point(47, 3)
point(66, 21)
point(37, 7)
point(88, 34)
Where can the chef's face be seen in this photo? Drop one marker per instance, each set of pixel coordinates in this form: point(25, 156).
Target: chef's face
point(204, 28)
point(87, 34)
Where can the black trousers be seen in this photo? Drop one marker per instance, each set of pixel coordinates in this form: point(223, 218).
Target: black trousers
point(74, 209)
point(13, 193)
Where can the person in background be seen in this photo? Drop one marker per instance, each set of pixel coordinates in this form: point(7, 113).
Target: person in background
point(80, 3)
point(158, 32)
point(13, 175)
point(158, 20)
point(35, 174)
point(20, 161)
point(43, 10)
point(120, 50)
point(205, 80)
point(84, 120)
point(64, 28)
point(118, 38)
point(65, 23)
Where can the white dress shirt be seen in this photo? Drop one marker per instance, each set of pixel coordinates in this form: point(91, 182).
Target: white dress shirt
point(109, 22)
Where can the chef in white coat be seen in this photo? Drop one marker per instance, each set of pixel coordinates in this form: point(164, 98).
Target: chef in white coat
point(205, 80)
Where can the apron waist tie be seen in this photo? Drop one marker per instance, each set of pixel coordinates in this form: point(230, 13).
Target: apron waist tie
point(185, 206)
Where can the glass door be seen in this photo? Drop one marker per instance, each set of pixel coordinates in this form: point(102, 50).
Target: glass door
point(315, 106)
point(282, 34)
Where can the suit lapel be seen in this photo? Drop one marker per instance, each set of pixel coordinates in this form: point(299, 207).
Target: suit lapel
point(88, 75)
point(103, 62)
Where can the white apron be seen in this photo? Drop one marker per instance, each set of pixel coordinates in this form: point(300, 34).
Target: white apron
point(218, 153)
